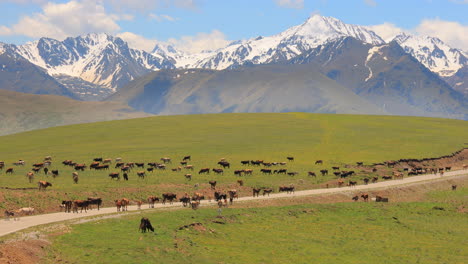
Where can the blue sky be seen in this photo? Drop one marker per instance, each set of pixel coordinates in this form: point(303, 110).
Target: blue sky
point(193, 24)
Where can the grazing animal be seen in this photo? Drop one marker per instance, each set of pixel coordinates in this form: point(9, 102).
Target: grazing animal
point(9, 170)
point(55, 173)
point(359, 163)
point(107, 161)
point(454, 187)
point(43, 185)
point(365, 196)
point(83, 204)
point(375, 179)
point(75, 177)
point(324, 172)
point(381, 199)
point(312, 174)
point(141, 174)
point(232, 194)
point(287, 189)
point(166, 160)
point(98, 159)
point(150, 169)
point(114, 175)
point(256, 191)
point(46, 170)
point(213, 184)
point(95, 200)
point(224, 164)
point(290, 158)
point(355, 198)
point(265, 171)
point(204, 170)
point(188, 167)
point(25, 211)
point(340, 183)
point(387, 177)
point(335, 168)
point(122, 204)
point(219, 171)
point(9, 214)
point(30, 176)
point(352, 183)
point(186, 158)
point(188, 176)
point(195, 205)
point(248, 171)
point(185, 200)
point(67, 205)
point(293, 173)
point(238, 172)
point(267, 191)
point(145, 224)
point(140, 164)
point(240, 182)
point(220, 196)
point(366, 181)
point(151, 200)
point(125, 176)
point(319, 162)
point(169, 197)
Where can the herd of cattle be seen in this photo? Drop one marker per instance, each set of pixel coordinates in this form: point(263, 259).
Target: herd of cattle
point(193, 201)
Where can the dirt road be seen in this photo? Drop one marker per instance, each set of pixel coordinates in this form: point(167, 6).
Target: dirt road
point(11, 226)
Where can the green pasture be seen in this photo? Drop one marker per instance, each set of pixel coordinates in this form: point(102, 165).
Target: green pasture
point(429, 232)
point(335, 139)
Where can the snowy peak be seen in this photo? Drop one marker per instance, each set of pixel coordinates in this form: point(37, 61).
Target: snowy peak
point(433, 53)
point(288, 44)
point(96, 58)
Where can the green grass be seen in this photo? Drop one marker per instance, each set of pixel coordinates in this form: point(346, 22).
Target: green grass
point(336, 139)
point(333, 233)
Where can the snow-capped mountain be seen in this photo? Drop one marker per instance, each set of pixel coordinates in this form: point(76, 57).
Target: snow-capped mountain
point(433, 53)
point(100, 59)
point(283, 46)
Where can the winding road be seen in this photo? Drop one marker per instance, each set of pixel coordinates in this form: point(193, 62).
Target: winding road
point(11, 226)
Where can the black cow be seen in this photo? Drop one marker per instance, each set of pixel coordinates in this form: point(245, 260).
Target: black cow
point(145, 224)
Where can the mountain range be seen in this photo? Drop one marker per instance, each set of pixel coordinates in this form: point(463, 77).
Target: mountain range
point(321, 65)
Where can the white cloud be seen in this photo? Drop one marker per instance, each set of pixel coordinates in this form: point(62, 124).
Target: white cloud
point(387, 31)
point(138, 41)
point(450, 32)
point(67, 19)
point(200, 42)
point(146, 6)
point(370, 2)
point(161, 18)
point(297, 4)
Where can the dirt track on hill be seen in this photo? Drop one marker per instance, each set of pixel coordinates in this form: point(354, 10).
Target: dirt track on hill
point(11, 226)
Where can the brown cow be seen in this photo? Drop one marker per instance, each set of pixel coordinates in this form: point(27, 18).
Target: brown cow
point(75, 177)
point(151, 200)
point(213, 184)
point(9, 170)
point(355, 198)
point(312, 174)
point(188, 176)
point(204, 170)
point(267, 191)
point(141, 174)
point(30, 176)
point(256, 191)
point(83, 204)
point(319, 162)
point(43, 185)
point(365, 196)
point(122, 204)
point(340, 183)
point(240, 182)
point(195, 204)
point(169, 197)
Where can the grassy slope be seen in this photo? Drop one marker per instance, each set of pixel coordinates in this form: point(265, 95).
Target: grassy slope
point(20, 111)
point(334, 233)
point(336, 139)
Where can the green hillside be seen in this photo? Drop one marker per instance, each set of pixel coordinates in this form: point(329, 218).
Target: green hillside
point(21, 112)
point(335, 139)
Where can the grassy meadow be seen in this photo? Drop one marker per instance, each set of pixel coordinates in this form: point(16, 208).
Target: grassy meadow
point(335, 139)
point(418, 232)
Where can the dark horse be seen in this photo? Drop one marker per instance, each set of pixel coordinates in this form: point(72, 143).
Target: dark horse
point(145, 224)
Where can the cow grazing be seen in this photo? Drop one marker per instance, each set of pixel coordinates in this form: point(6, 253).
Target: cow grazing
point(256, 191)
point(9, 171)
point(387, 177)
point(340, 183)
point(290, 158)
point(324, 172)
point(169, 197)
point(82, 204)
point(30, 176)
point(149, 169)
point(454, 187)
point(46, 171)
point(166, 160)
point(125, 176)
point(188, 167)
point(187, 158)
point(311, 174)
point(318, 162)
point(114, 175)
point(98, 159)
point(151, 200)
point(185, 200)
point(145, 224)
point(355, 198)
point(195, 204)
point(25, 211)
point(375, 179)
point(43, 185)
point(67, 205)
point(238, 172)
point(75, 177)
point(95, 200)
point(366, 181)
point(224, 164)
point(122, 204)
point(232, 194)
point(381, 199)
point(204, 170)
point(188, 176)
point(245, 162)
point(218, 171)
point(359, 163)
point(141, 174)
point(365, 196)
point(220, 196)
point(248, 171)
point(267, 191)
point(212, 184)
point(9, 214)
point(240, 182)
point(293, 173)
point(335, 168)
point(287, 189)
point(352, 183)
